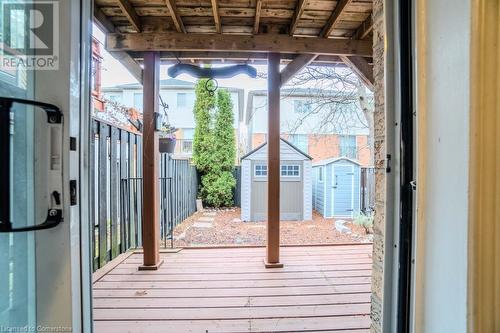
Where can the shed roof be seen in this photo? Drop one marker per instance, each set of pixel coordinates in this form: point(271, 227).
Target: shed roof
point(282, 140)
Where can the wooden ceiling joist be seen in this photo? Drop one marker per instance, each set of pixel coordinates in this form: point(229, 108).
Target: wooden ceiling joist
point(301, 6)
point(364, 29)
point(171, 41)
point(258, 9)
point(215, 9)
point(123, 57)
point(295, 66)
point(130, 13)
point(334, 18)
point(361, 67)
point(174, 13)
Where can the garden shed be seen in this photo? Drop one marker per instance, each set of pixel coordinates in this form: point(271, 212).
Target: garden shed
point(295, 184)
point(336, 187)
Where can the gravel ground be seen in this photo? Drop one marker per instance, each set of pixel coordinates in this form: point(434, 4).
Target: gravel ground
point(228, 229)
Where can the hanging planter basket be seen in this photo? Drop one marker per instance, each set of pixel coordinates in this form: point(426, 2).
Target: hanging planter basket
point(167, 145)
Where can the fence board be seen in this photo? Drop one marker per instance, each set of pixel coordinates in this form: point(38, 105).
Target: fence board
point(103, 218)
point(113, 196)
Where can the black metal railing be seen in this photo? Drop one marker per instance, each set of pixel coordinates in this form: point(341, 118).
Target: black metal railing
point(116, 192)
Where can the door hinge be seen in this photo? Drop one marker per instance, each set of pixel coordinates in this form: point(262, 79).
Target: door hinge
point(413, 185)
point(388, 163)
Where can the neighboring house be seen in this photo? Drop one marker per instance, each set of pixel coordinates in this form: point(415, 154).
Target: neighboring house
point(295, 184)
point(303, 124)
point(180, 97)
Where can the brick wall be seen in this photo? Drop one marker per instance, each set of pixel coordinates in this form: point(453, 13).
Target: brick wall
point(380, 155)
point(324, 146)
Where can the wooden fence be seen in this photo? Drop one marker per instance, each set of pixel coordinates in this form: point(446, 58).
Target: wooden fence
point(116, 192)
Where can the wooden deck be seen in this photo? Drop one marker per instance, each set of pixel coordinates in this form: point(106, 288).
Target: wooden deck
point(320, 289)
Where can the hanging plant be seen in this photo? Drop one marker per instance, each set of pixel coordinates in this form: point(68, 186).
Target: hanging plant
point(166, 133)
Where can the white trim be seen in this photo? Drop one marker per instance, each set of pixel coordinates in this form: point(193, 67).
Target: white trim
point(263, 167)
point(333, 192)
point(289, 176)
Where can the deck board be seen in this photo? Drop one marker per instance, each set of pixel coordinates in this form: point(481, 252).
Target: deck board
point(320, 288)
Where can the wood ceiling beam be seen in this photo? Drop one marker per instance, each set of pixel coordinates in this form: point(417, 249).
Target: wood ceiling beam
point(171, 41)
point(295, 66)
point(361, 67)
point(126, 60)
point(258, 9)
point(334, 18)
point(129, 12)
point(215, 9)
point(357, 64)
point(364, 29)
point(174, 13)
point(296, 16)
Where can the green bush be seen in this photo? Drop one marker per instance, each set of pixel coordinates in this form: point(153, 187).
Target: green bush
point(217, 189)
point(214, 146)
point(364, 220)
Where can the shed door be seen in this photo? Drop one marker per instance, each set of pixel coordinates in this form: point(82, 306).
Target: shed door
point(343, 190)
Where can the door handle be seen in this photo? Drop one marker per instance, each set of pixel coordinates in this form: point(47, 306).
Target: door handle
point(54, 214)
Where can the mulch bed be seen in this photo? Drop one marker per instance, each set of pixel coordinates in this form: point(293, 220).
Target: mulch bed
point(228, 229)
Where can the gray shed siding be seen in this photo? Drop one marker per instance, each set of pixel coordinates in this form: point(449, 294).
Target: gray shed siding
point(339, 193)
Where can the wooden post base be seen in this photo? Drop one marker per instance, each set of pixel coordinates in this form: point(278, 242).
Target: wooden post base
point(273, 265)
point(151, 267)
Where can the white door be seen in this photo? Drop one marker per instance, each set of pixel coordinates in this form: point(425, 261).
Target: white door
point(44, 250)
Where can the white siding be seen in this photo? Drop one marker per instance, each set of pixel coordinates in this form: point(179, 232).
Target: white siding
point(179, 117)
point(287, 153)
point(312, 124)
point(307, 178)
point(246, 195)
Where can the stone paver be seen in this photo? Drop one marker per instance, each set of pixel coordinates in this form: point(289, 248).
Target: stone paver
point(203, 225)
point(206, 219)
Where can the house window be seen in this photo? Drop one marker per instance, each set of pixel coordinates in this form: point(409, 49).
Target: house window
point(260, 170)
point(301, 106)
point(348, 146)
point(320, 174)
point(138, 97)
point(187, 140)
point(290, 170)
point(181, 100)
point(300, 141)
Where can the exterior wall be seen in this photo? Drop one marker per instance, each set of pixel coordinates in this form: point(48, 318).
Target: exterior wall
point(307, 190)
point(325, 146)
point(291, 121)
point(257, 140)
point(364, 152)
point(379, 161)
point(179, 116)
point(319, 190)
point(442, 227)
point(246, 194)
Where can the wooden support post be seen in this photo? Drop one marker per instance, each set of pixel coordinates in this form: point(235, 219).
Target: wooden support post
point(150, 158)
point(273, 162)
